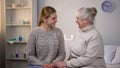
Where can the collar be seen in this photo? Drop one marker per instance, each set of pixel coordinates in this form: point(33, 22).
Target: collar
point(87, 28)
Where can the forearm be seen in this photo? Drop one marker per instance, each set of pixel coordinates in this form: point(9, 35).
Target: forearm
point(59, 58)
point(33, 61)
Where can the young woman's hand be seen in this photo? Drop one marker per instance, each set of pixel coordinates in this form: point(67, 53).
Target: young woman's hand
point(51, 65)
point(61, 64)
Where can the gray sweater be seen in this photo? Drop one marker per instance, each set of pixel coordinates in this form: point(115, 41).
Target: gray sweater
point(45, 47)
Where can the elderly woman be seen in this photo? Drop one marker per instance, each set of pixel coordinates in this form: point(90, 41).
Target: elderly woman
point(86, 50)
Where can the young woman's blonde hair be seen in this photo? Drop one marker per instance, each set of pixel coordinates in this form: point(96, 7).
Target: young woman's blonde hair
point(89, 13)
point(45, 13)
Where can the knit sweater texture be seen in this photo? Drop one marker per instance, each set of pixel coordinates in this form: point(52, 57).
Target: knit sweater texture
point(45, 47)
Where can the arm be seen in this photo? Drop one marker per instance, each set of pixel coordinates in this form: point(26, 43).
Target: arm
point(31, 50)
point(61, 52)
point(93, 48)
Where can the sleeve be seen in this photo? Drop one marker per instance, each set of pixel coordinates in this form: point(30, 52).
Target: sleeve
point(92, 51)
point(61, 53)
point(31, 45)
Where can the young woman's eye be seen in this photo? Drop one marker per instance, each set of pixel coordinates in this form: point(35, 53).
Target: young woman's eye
point(53, 18)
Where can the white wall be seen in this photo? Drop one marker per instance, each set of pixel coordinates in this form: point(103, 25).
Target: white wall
point(107, 23)
point(0, 15)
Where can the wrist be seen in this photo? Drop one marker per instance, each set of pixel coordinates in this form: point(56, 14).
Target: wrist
point(65, 65)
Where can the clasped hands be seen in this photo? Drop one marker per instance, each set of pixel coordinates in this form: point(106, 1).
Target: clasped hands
point(55, 65)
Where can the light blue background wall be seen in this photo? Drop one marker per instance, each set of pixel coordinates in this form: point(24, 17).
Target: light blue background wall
point(107, 23)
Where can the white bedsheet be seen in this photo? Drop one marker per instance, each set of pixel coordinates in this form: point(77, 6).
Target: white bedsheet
point(113, 65)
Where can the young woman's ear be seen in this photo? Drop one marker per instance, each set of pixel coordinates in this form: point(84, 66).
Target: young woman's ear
point(45, 20)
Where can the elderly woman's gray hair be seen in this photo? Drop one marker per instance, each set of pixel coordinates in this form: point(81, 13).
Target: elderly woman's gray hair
point(89, 13)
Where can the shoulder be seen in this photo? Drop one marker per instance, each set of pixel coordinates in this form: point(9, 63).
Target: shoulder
point(58, 30)
point(95, 34)
point(35, 30)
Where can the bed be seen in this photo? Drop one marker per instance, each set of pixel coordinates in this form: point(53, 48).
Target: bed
point(113, 65)
point(112, 56)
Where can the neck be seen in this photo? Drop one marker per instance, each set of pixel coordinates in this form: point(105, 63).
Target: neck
point(45, 27)
point(87, 28)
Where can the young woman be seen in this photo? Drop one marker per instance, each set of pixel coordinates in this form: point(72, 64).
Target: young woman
point(46, 42)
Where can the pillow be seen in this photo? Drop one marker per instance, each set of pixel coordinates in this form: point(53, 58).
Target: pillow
point(116, 59)
point(67, 48)
point(109, 53)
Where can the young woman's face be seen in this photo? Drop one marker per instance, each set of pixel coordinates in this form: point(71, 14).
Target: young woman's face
point(81, 22)
point(51, 21)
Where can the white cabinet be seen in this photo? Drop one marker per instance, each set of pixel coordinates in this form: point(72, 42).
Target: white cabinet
point(20, 16)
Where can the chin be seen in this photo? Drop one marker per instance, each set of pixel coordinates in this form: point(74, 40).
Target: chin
point(80, 27)
point(52, 26)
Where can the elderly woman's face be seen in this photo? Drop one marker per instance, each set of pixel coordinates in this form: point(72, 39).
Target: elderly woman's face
point(80, 22)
